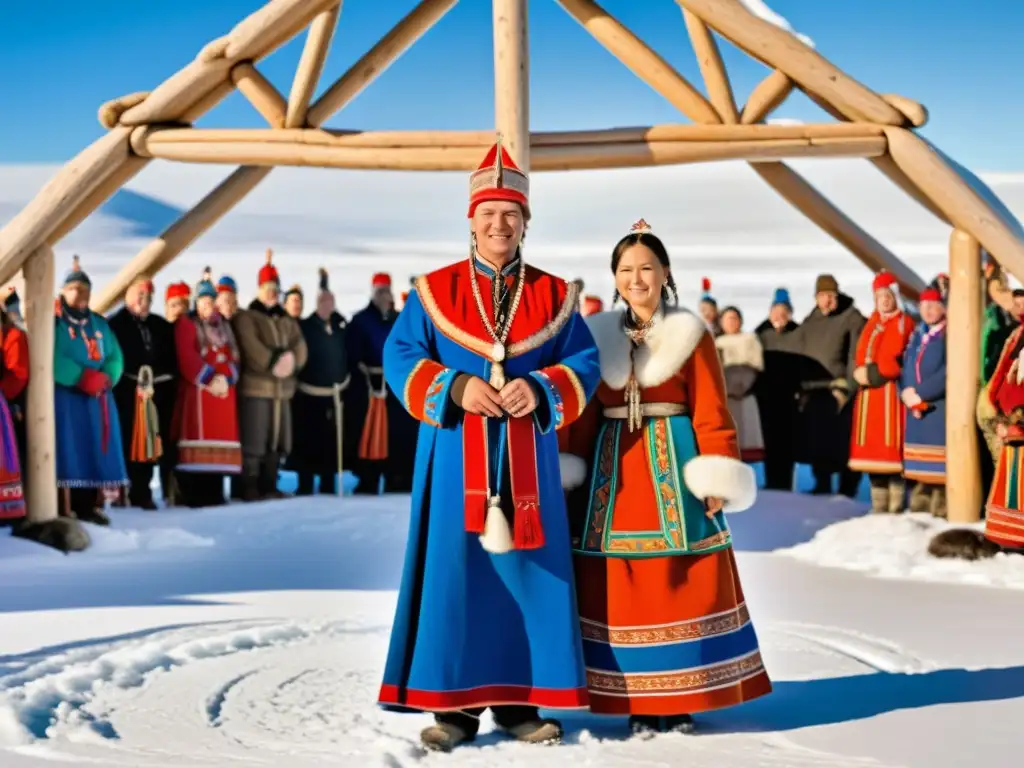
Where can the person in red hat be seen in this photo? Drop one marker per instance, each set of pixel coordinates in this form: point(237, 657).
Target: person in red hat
point(273, 352)
point(491, 356)
point(176, 301)
point(380, 434)
point(146, 393)
point(923, 392)
point(876, 445)
point(591, 305)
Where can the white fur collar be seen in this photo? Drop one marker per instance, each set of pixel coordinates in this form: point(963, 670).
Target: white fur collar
point(668, 346)
point(741, 349)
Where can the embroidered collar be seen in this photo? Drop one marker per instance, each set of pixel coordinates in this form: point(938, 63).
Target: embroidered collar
point(487, 269)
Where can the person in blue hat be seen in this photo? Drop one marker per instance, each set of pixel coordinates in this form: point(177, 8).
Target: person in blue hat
point(776, 391)
point(708, 308)
point(227, 297)
point(87, 364)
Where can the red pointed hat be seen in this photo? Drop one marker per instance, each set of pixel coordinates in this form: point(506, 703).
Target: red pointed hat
point(381, 280)
point(930, 294)
point(268, 273)
point(499, 178)
point(883, 280)
point(177, 291)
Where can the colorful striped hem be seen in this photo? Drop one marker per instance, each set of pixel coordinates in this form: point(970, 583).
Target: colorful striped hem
point(675, 682)
point(876, 467)
point(664, 634)
point(483, 696)
point(1004, 526)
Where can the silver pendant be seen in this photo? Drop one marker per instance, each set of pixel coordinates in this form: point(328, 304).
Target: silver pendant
point(498, 352)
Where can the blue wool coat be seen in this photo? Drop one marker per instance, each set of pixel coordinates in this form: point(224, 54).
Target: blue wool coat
point(924, 369)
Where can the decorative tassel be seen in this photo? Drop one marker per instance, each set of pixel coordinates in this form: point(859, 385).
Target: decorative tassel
point(529, 531)
point(373, 443)
point(634, 412)
point(497, 538)
point(147, 445)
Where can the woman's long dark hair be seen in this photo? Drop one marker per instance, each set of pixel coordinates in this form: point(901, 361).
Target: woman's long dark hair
point(669, 294)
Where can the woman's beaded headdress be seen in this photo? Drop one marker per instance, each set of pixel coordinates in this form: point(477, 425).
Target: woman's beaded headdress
point(641, 228)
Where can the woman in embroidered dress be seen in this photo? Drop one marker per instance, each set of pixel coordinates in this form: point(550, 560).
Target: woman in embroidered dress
point(924, 396)
point(666, 632)
point(206, 417)
point(87, 363)
point(743, 361)
point(876, 445)
point(13, 381)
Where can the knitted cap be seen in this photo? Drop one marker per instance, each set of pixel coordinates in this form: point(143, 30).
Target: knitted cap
point(77, 274)
point(227, 284)
point(268, 273)
point(705, 287)
point(782, 297)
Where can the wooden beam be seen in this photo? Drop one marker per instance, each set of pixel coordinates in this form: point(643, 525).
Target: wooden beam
point(41, 426)
point(963, 351)
point(377, 59)
point(61, 198)
point(255, 37)
point(816, 207)
point(641, 60)
point(712, 69)
point(159, 252)
point(267, 100)
point(512, 78)
point(143, 138)
point(966, 209)
point(766, 97)
point(311, 65)
point(888, 166)
point(915, 112)
point(544, 158)
point(780, 50)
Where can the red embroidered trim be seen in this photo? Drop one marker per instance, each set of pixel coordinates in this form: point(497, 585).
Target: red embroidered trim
point(475, 471)
point(522, 461)
point(485, 695)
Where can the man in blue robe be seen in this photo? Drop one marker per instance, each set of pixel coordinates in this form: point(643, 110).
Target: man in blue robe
point(491, 357)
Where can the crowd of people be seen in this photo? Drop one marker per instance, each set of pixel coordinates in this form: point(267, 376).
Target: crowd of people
point(206, 392)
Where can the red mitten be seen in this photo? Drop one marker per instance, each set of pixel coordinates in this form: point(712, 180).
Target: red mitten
point(93, 382)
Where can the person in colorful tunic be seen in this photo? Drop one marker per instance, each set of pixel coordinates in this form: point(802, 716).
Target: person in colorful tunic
point(380, 435)
point(13, 382)
point(176, 300)
point(876, 445)
point(87, 364)
point(923, 392)
point(666, 629)
point(491, 356)
point(146, 393)
point(743, 363)
point(206, 414)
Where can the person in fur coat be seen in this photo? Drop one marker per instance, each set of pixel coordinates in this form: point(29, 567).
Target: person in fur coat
point(743, 361)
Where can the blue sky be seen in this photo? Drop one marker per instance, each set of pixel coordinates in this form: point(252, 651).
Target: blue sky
point(59, 60)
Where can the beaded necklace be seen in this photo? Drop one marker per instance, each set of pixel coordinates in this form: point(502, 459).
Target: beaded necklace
point(499, 335)
point(637, 332)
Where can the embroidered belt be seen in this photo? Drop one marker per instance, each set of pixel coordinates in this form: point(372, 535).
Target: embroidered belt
point(375, 370)
point(373, 442)
point(647, 409)
point(314, 391)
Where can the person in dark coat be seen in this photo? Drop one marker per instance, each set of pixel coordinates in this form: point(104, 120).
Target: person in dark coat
point(826, 342)
point(150, 370)
point(776, 391)
point(380, 435)
point(318, 407)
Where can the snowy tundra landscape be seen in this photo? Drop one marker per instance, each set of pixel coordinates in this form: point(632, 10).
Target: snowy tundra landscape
point(255, 635)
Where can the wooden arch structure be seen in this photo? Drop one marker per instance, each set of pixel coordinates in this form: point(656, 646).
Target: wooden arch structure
point(158, 124)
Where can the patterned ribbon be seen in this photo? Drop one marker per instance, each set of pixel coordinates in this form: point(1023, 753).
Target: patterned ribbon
point(373, 443)
point(528, 532)
point(146, 447)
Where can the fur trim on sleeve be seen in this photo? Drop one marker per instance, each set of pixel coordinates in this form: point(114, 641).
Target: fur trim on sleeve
point(573, 469)
point(741, 349)
point(721, 477)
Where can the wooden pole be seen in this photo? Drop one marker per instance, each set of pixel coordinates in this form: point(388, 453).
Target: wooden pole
point(377, 59)
point(963, 352)
point(40, 427)
point(953, 195)
point(712, 69)
point(512, 78)
point(766, 97)
point(641, 60)
point(780, 50)
point(889, 167)
point(311, 65)
point(159, 252)
point(267, 100)
point(914, 111)
point(816, 207)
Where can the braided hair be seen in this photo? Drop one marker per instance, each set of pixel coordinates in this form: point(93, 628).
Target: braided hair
point(669, 293)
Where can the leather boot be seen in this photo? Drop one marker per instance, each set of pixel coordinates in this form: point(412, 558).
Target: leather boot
point(937, 502)
point(897, 495)
point(920, 498)
point(879, 494)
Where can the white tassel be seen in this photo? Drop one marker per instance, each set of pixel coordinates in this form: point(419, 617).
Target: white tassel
point(497, 537)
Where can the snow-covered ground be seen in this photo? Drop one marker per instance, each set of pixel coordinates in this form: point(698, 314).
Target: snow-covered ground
point(255, 636)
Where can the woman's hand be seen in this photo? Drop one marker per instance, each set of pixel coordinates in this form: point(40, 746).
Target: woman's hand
point(713, 506)
point(860, 375)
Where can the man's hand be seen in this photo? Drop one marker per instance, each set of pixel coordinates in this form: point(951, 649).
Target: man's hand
point(284, 366)
point(481, 398)
point(860, 375)
point(910, 397)
point(518, 398)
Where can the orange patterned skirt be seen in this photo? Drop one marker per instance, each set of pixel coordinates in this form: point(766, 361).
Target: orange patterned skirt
point(1004, 512)
point(667, 635)
point(876, 445)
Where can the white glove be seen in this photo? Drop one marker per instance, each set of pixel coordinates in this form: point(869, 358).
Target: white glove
point(219, 386)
